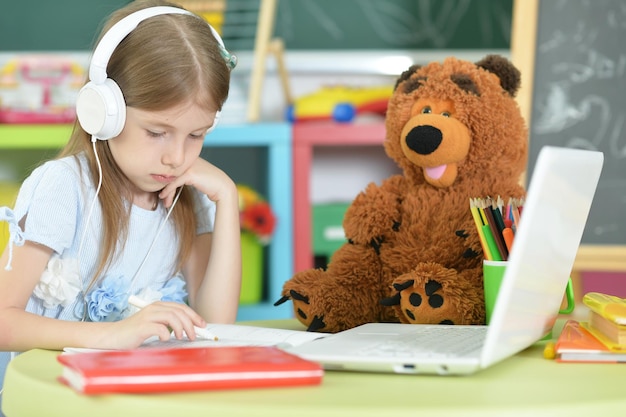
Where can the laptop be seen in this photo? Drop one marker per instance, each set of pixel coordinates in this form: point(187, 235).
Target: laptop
point(555, 212)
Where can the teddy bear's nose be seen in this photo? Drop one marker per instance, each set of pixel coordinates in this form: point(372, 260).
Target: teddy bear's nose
point(424, 139)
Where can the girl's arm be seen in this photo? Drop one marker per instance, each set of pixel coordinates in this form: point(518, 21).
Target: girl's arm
point(213, 271)
point(214, 268)
point(20, 330)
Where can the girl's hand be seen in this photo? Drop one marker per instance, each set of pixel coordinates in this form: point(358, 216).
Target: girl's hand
point(213, 269)
point(159, 319)
point(205, 177)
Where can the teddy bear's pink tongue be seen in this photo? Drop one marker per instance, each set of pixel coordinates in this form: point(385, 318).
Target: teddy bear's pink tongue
point(436, 172)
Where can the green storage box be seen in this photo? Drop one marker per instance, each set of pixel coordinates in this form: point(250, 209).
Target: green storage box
point(328, 234)
point(251, 269)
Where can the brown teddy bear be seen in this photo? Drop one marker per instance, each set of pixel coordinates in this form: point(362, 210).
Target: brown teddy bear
point(413, 253)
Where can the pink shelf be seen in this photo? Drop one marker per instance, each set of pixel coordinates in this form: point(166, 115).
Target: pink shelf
point(305, 137)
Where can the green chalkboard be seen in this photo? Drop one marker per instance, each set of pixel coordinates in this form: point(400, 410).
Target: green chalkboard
point(394, 24)
point(61, 25)
point(52, 25)
point(579, 99)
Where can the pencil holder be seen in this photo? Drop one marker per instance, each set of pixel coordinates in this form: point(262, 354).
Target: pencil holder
point(493, 273)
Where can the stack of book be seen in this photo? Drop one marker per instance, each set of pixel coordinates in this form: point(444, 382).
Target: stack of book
point(602, 338)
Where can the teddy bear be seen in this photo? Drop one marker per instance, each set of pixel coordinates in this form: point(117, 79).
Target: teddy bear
point(412, 251)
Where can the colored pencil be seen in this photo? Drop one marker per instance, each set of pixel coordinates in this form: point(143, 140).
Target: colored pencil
point(495, 231)
point(479, 229)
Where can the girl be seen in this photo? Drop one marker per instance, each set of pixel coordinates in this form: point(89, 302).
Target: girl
point(164, 223)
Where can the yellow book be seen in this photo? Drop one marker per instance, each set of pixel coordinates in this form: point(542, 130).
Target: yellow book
point(616, 333)
point(608, 306)
point(612, 346)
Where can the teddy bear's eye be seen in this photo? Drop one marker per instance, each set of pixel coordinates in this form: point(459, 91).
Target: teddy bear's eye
point(446, 114)
point(427, 110)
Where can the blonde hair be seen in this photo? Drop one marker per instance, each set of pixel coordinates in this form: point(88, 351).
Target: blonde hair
point(165, 61)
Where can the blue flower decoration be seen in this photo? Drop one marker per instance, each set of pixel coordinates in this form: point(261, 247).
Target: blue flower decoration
point(108, 301)
point(174, 290)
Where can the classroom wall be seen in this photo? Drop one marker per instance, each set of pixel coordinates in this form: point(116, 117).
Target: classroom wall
point(308, 71)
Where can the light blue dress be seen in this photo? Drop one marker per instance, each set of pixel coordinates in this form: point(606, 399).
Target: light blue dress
point(55, 201)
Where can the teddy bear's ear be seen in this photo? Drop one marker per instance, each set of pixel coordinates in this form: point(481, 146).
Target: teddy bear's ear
point(510, 76)
point(407, 74)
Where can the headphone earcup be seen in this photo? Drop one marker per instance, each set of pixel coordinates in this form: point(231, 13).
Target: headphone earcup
point(101, 109)
point(215, 122)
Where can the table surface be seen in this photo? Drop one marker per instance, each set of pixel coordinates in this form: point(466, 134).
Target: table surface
point(526, 384)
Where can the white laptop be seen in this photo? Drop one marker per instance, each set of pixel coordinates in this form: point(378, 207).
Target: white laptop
point(555, 212)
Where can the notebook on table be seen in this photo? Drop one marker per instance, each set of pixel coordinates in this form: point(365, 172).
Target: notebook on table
point(556, 207)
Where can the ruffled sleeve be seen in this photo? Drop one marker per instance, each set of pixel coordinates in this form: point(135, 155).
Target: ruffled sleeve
point(47, 206)
point(16, 235)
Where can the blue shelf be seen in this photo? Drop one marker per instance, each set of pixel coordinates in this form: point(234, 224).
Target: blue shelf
point(277, 138)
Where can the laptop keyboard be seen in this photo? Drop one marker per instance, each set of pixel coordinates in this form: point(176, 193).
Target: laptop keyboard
point(431, 342)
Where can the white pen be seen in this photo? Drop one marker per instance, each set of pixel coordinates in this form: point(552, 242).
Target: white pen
point(200, 332)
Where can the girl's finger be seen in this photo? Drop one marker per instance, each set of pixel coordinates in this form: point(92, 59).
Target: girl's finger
point(177, 317)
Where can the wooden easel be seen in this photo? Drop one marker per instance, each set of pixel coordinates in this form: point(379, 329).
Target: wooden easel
point(264, 45)
point(213, 11)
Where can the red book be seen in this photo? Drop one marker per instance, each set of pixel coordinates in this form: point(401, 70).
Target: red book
point(186, 369)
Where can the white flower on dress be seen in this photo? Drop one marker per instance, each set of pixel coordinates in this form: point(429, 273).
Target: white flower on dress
point(60, 282)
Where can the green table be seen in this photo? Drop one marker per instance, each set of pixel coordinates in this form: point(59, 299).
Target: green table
point(525, 385)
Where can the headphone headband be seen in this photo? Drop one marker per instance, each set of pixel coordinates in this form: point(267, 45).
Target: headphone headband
point(117, 33)
point(100, 105)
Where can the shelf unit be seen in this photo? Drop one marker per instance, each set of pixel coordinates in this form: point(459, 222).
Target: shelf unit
point(307, 136)
point(276, 137)
point(34, 136)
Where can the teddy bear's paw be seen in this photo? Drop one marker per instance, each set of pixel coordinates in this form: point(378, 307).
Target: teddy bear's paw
point(418, 302)
point(307, 291)
point(301, 307)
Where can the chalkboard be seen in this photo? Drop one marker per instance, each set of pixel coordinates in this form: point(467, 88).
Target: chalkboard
point(579, 99)
point(394, 24)
point(61, 25)
point(53, 25)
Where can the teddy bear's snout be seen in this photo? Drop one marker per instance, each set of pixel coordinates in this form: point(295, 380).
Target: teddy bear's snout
point(424, 139)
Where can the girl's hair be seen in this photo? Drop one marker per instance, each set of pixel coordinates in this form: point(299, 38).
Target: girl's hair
point(165, 61)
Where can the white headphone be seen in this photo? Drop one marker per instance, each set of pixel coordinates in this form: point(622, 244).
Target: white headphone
point(100, 105)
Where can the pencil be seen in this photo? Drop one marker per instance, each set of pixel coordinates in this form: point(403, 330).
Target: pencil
point(515, 212)
point(135, 301)
point(489, 238)
point(508, 236)
point(495, 231)
point(496, 209)
point(479, 229)
point(491, 242)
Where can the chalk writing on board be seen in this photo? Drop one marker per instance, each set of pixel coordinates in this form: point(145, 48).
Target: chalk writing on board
point(579, 98)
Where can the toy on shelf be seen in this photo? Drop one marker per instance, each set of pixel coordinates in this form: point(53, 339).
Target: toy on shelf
point(340, 103)
point(39, 89)
point(256, 215)
point(210, 10)
point(258, 223)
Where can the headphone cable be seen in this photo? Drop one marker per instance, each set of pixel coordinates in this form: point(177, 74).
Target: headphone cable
point(86, 227)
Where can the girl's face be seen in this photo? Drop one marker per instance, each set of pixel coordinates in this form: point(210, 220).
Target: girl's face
point(157, 146)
